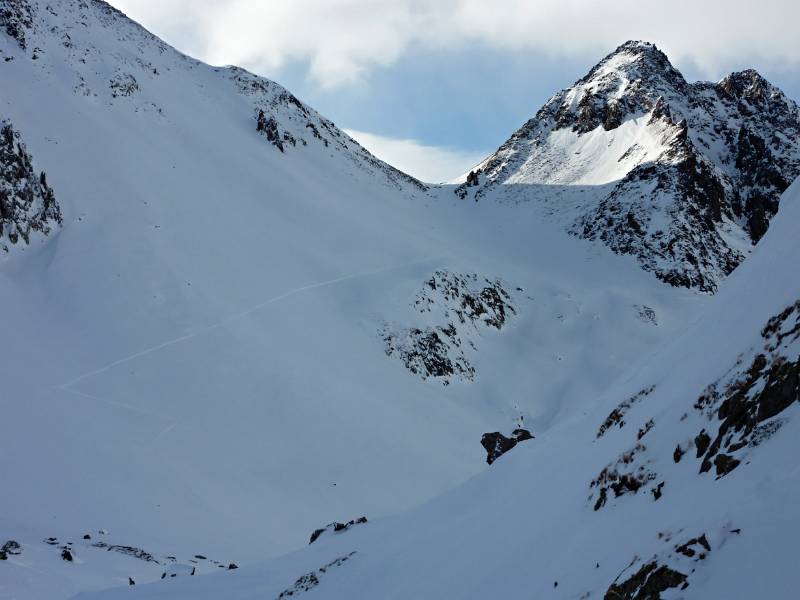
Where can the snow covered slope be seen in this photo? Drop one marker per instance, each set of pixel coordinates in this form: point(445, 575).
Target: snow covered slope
point(680, 482)
point(231, 325)
point(685, 177)
point(243, 327)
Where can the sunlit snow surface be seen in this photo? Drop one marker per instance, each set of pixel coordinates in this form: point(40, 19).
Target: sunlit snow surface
point(526, 528)
point(194, 362)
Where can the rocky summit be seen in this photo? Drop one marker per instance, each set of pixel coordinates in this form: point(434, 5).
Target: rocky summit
point(683, 176)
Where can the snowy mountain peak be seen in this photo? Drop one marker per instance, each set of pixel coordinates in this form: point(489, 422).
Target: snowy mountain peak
point(635, 59)
point(627, 81)
point(684, 177)
point(110, 60)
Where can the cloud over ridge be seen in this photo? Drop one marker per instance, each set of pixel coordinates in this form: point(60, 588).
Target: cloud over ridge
point(343, 41)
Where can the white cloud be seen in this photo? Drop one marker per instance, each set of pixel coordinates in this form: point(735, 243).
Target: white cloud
point(344, 40)
point(431, 164)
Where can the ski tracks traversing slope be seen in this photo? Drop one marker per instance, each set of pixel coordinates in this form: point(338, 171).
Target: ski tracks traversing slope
point(240, 315)
point(171, 423)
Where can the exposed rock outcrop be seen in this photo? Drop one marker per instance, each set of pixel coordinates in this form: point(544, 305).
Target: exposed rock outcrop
point(27, 203)
point(496, 444)
point(647, 583)
point(452, 307)
point(16, 18)
point(747, 405)
point(311, 580)
point(335, 527)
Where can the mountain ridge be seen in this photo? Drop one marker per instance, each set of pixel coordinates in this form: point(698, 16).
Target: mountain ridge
point(693, 183)
point(243, 331)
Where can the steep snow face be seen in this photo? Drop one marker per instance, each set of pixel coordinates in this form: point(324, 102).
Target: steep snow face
point(685, 177)
point(680, 481)
point(196, 362)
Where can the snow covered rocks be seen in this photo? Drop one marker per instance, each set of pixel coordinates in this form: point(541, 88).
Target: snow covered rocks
point(335, 527)
point(672, 567)
point(617, 416)
point(452, 309)
point(684, 177)
point(27, 203)
point(123, 85)
point(747, 403)
point(10, 548)
point(739, 412)
point(269, 128)
point(311, 580)
point(16, 17)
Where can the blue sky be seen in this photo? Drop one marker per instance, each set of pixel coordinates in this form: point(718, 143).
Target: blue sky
point(434, 86)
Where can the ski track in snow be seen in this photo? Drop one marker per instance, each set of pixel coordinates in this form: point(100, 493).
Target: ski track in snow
point(171, 424)
point(227, 320)
point(64, 388)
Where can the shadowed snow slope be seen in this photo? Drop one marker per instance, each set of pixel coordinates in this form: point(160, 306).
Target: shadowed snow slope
point(247, 327)
point(531, 526)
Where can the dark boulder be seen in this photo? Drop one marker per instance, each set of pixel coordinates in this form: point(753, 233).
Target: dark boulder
point(496, 444)
point(647, 583)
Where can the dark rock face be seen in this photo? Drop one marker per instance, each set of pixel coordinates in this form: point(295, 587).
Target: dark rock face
point(123, 85)
point(645, 428)
point(336, 527)
point(269, 127)
point(698, 546)
point(646, 314)
point(626, 475)
point(16, 18)
point(457, 304)
point(467, 297)
point(727, 152)
point(702, 441)
point(10, 548)
point(647, 583)
point(473, 180)
point(496, 444)
point(27, 203)
point(656, 491)
point(746, 406)
point(670, 568)
point(616, 417)
point(127, 550)
point(690, 253)
point(425, 353)
point(286, 122)
point(311, 580)
point(740, 412)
